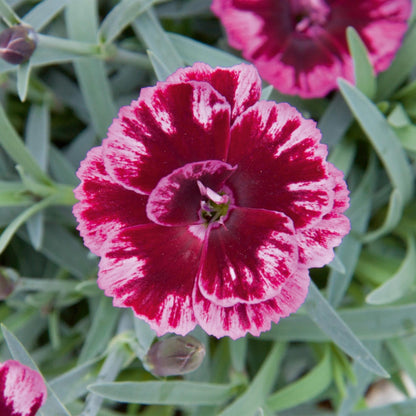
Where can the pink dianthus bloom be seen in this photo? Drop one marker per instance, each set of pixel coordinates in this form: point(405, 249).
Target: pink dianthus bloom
point(22, 390)
point(300, 46)
point(208, 206)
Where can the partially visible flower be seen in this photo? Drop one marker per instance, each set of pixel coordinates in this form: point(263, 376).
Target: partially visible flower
point(22, 390)
point(208, 206)
point(300, 46)
point(175, 355)
point(17, 44)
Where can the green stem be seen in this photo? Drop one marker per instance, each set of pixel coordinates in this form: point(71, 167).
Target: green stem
point(107, 52)
point(67, 45)
point(130, 58)
point(65, 195)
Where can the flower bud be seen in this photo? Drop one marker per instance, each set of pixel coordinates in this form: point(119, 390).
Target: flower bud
point(17, 44)
point(175, 355)
point(7, 282)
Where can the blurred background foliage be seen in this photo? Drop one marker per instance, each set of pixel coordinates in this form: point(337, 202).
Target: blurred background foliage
point(358, 324)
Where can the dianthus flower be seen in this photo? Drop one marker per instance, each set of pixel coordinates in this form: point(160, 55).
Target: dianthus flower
point(208, 206)
point(300, 46)
point(22, 390)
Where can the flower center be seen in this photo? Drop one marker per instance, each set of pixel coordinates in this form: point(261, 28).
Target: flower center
point(309, 14)
point(192, 194)
point(214, 206)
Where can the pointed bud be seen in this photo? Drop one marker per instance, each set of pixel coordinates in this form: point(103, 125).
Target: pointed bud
point(17, 44)
point(175, 355)
point(7, 283)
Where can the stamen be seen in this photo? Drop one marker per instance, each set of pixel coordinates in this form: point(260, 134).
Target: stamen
point(212, 195)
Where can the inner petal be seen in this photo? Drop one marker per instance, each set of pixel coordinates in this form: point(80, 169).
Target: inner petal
point(176, 199)
point(152, 270)
point(249, 259)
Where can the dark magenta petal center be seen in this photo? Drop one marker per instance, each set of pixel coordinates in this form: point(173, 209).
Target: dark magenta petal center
point(309, 14)
point(193, 194)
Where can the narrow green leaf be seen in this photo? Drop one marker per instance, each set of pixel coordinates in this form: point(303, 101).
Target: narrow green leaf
point(407, 136)
point(43, 13)
point(8, 14)
point(161, 70)
point(37, 142)
point(369, 323)
point(343, 155)
point(73, 384)
point(157, 41)
point(401, 282)
point(37, 134)
point(120, 17)
point(46, 285)
point(402, 65)
point(81, 19)
point(88, 288)
point(192, 51)
point(181, 10)
point(304, 389)
point(335, 121)
point(144, 336)
point(332, 324)
point(256, 394)
point(108, 372)
point(394, 214)
point(62, 247)
point(165, 392)
point(17, 350)
point(337, 265)
point(382, 137)
point(101, 331)
point(35, 227)
point(403, 356)
point(387, 146)
point(349, 251)
point(15, 148)
point(356, 388)
point(365, 79)
point(266, 92)
point(11, 229)
point(238, 353)
point(61, 168)
point(75, 152)
point(23, 77)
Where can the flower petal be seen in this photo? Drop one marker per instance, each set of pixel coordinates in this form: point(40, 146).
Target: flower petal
point(249, 258)
point(152, 269)
point(168, 126)
point(22, 390)
point(380, 23)
point(316, 244)
point(176, 200)
point(235, 321)
point(307, 61)
point(104, 205)
point(281, 164)
point(240, 84)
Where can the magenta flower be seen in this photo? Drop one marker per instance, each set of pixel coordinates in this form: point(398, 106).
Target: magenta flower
point(22, 390)
point(300, 46)
point(208, 206)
